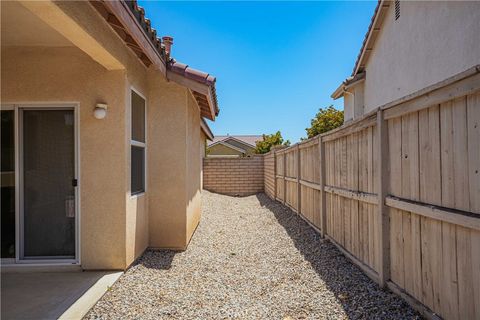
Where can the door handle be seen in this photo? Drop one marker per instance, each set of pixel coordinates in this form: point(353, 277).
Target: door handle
point(74, 183)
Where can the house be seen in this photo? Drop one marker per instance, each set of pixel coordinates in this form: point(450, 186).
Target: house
point(411, 46)
point(232, 146)
point(103, 136)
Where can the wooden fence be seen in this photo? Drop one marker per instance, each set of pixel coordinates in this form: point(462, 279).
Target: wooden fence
point(269, 174)
point(398, 192)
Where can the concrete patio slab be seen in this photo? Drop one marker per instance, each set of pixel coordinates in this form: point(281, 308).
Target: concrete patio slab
point(52, 295)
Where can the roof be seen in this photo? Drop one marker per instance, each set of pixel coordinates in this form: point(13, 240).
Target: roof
point(128, 20)
point(347, 83)
point(223, 143)
point(371, 36)
point(247, 139)
point(374, 28)
point(206, 129)
point(201, 77)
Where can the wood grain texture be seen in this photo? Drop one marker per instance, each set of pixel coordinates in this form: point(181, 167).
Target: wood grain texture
point(426, 178)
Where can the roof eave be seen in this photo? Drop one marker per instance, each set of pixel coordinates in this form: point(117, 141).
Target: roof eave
point(206, 129)
point(347, 84)
point(201, 84)
point(120, 16)
point(370, 37)
point(338, 93)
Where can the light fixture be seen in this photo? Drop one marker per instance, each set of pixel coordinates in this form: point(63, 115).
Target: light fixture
point(100, 111)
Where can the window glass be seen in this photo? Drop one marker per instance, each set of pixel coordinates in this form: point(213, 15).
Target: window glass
point(7, 200)
point(138, 169)
point(137, 151)
point(138, 118)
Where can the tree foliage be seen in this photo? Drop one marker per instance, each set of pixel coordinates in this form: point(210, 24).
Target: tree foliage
point(325, 120)
point(270, 140)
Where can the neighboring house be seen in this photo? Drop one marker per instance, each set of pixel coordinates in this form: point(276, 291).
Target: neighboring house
point(411, 46)
point(233, 146)
point(102, 135)
point(415, 91)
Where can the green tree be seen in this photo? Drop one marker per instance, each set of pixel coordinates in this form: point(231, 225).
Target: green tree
point(270, 140)
point(325, 120)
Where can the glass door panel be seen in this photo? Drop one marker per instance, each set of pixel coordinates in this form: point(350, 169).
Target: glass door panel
point(7, 155)
point(47, 184)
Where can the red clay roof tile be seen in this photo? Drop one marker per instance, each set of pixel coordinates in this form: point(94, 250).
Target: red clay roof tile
point(172, 65)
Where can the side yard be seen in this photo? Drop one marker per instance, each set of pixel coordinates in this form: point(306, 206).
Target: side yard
point(251, 258)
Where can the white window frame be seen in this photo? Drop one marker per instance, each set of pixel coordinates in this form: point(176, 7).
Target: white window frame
point(134, 143)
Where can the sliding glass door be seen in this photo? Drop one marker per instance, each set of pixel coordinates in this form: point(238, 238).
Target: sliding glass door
point(47, 183)
point(7, 155)
point(39, 188)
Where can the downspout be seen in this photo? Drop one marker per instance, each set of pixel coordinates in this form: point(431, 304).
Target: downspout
point(353, 96)
point(353, 101)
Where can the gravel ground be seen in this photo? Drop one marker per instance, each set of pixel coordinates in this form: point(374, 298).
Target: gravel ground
point(250, 258)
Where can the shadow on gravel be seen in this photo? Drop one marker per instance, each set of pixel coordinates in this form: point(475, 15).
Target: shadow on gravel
point(157, 259)
point(360, 297)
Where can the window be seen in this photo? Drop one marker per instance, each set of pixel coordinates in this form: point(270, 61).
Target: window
point(137, 147)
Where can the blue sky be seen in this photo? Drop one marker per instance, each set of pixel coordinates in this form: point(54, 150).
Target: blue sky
point(276, 63)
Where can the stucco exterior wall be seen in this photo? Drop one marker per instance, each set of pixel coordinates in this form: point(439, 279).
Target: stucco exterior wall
point(166, 179)
point(136, 206)
point(203, 150)
point(194, 167)
point(220, 149)
point(430, 42)
point(247, 148)
point(67, 75)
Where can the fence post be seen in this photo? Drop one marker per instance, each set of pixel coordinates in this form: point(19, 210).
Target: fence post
point(274, 174)
point(383, 250)
point(299, 186)
point(284, 176)
point(323, 196)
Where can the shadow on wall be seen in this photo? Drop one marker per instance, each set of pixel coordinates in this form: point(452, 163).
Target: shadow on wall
point(360, 297)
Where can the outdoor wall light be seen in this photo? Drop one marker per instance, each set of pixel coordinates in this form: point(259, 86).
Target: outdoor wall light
point(100, 111)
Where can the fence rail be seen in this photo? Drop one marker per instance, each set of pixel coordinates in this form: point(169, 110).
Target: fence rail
point(399, 196)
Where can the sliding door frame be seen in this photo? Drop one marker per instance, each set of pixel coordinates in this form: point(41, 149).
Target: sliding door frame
point(19, 240)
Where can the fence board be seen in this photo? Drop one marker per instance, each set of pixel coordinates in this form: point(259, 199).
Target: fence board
point(269, 174)
point(473, 124)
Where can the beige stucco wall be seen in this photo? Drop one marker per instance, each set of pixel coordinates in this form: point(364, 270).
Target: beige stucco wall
point(68, 75)
point(167, 132)
point(431, 41)
point(116, 227)
point(203, 150)
point(194, 167)
point(220, 149)
point(174, 176)
point(136, 206)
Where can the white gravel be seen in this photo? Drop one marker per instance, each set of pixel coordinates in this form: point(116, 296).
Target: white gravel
point(250, 258)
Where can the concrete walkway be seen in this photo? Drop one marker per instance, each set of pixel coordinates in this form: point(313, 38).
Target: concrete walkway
point(52, 295)
point(250, 258)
